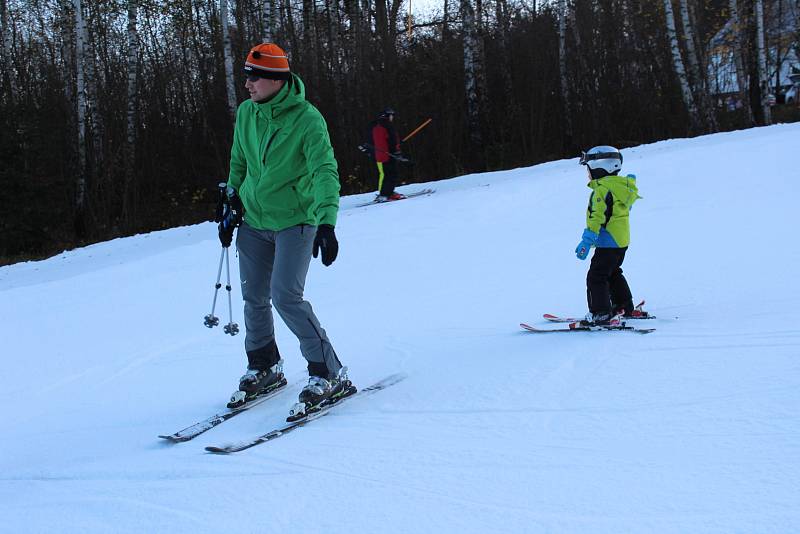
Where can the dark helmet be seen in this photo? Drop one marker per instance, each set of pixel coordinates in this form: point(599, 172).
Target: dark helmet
point(386, 112)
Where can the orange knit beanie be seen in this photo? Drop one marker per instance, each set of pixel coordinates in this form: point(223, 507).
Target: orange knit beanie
point(267, 60)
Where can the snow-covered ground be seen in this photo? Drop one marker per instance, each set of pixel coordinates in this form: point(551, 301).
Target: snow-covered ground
point(694, 428)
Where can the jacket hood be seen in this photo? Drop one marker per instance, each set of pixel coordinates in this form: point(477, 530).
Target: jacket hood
point(623, 187)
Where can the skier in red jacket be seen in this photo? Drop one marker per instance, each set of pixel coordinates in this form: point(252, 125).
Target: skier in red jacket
point(386, 151)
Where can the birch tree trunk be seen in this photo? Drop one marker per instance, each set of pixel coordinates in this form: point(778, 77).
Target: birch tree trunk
point(80, 93)
point(738, 59)
point(691, 50)
point(763, 82)
point(562, 67)
point(129, 201)
point(94, 122)
point(230, 88)
point(291, 28)
point(9, 78)
point(470, 72)
point(695, 65)
point(680, 71)
point(269, 22)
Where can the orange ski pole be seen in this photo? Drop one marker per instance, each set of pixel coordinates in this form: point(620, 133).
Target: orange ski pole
point(412, 134)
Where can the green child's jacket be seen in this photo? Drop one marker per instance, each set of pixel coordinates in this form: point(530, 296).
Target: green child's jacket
point(609, 209)
point(282, 162)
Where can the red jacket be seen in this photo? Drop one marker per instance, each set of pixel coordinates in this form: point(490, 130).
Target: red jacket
point(384, 140)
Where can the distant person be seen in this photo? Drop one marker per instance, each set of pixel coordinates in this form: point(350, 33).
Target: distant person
point(386, 151)
point(608, 230)
point(283, 169)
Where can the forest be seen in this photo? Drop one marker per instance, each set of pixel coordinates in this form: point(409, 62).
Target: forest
point(117, 115)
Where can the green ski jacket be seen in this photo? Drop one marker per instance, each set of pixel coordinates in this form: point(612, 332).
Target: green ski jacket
point(282, 162)
point(609, 209)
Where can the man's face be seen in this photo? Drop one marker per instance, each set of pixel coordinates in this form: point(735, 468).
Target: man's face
point(262, 89)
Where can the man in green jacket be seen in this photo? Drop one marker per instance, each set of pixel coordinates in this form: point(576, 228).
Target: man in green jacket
point(284, 172)
point(607, 229)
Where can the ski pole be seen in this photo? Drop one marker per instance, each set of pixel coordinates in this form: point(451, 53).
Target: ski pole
point(230, 328)
point(211, 320)
point(420, 127)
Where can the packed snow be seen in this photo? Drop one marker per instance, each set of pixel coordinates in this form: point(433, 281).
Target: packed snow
point(693, 428)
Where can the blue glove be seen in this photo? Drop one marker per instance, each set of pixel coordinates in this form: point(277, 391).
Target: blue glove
point(588, 239)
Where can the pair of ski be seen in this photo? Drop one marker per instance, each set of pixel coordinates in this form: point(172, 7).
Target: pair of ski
point(575, 324)
point(407, 195)
point(196, 429)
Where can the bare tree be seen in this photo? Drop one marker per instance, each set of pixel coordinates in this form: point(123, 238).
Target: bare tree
point(128, 196)
point(80, 93)
point(680, 70)
point(698, 76)
point(227, 53)
point(470, 32)
point(738, 59)
point(761, 51)
point(562, 67)
point(9, 78)
point(269, 21)
point(92, 80)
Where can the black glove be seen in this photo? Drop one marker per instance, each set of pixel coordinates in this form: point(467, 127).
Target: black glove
point(326, 241)
point(231, 218)
point(402, 158)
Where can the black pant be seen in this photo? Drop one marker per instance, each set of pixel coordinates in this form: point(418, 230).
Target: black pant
point(606, 288)
point(389, 178)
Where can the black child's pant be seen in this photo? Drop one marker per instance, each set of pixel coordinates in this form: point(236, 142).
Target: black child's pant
point(606, 288)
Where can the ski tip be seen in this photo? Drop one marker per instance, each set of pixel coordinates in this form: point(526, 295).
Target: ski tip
point(549, 316)
point(217, 450)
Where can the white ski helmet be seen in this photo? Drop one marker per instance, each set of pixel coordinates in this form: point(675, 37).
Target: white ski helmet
point(604, 157)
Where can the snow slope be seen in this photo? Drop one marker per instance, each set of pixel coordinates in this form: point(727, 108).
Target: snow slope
point(694, 428)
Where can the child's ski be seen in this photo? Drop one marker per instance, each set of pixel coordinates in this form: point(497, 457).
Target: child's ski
point(574, 327)
point(638, 313)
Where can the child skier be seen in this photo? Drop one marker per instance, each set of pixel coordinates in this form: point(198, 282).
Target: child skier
point(608, 230)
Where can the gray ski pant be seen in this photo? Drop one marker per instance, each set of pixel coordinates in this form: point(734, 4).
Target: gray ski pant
point(273, 267)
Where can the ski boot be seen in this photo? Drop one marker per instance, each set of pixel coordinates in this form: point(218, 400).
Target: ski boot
point(599, 320)
point(631, 312)
point(320, 392)
point(257, 382)
point(397, 196)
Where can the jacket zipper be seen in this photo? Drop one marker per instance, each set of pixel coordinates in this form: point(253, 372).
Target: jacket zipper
point(263, 163)
point(266, 149)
